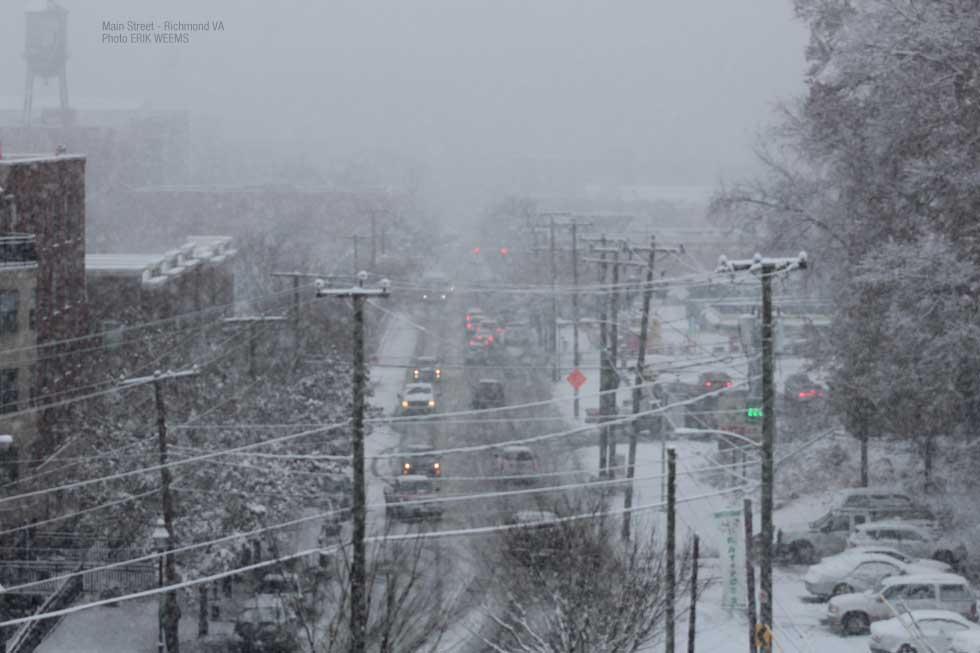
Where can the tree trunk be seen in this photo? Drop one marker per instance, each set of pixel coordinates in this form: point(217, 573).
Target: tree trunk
point(864, 459)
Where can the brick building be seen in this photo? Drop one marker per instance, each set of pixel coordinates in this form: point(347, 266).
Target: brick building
point(138, 288)
point(18, 278)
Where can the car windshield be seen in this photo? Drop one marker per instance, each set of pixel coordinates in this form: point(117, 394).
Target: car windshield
point(417, 391)
point(417, 486)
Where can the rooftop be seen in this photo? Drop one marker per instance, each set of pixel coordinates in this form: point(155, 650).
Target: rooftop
point(16, 159)
point(156, 269)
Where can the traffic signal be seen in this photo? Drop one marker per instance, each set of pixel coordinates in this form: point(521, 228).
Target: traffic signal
point(476, 250)
point(753, 412)
point(503, 251)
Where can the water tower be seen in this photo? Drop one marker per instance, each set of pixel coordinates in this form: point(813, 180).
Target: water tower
point(46, 52)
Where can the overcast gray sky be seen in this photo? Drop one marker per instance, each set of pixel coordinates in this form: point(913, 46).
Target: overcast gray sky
point(675, 90)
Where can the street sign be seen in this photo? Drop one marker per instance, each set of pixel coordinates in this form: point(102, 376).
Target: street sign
point(576, 379)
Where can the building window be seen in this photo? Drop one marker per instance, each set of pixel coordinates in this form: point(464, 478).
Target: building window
point(8, 311)
point(8, 390)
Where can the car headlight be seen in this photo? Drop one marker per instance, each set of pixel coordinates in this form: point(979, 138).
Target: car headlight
point(407, 466)
point(443, 296)
point(404, 403)
point(432, 403)
point(438, 373)
point(436, 466)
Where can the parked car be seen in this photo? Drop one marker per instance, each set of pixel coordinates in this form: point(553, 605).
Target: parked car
point(417, 399)
point(421, 462)
point(489, 393)
point(516, 462)
point(402, 493)
point(919, 630)
point(871, 497)
point(267, 623)
point(427, 370)
point(854, 613)
point(918, 538)
point(967, 641)
point(847, 573)
point(828, 534)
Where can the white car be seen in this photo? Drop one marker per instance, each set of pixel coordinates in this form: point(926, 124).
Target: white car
point(917, 538)
point(854, 613)
point(417, 399)
point(919, 631)
point(859, 570)
point(967, 641)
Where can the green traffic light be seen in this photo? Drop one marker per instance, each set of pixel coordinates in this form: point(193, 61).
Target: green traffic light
point(753, 412)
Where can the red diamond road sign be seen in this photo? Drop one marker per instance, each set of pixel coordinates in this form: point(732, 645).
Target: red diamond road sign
point(576, 379)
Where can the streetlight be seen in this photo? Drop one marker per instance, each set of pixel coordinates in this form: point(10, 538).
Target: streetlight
point(161, 543)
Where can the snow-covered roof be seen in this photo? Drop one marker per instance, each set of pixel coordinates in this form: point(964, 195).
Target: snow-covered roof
point(923, 578)
point(26, 158)
point(156, 269)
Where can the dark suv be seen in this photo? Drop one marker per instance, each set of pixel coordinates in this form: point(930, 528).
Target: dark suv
point(489, 394)
point(427, 370)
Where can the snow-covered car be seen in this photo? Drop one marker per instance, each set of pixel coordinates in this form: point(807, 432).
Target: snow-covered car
point(873, 497)
point(853, 613)
point(420, 461)
point(489, 393)
point(967, 641)
point(516, 464)
point(267, 623)
point(417, 399)
point(435, 288)
point(534, 537)
point(848, 572)
point(918, 538)
point(828, 534)
point(475, 352)
point(406, 497)
point(919, 630)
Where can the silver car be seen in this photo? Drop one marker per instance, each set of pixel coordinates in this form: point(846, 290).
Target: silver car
point(856, 571)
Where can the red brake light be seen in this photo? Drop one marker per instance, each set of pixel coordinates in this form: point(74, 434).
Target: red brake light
point(468, 317)
point(707, 384)
point(476, 250)
point(503, 251)
point(469, 326)
point(728, 384)
point(472, 341)
point(489, 338)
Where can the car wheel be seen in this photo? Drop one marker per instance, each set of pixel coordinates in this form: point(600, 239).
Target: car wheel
point(856, 623)
point(842, 588)
point(804, 553)
point(945, 556)
point(907, 648)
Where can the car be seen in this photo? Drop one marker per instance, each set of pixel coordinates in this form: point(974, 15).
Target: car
point(847, 573)
point(828, 534)
point(472, 320)
point(966, 641)
point(489, 329)
point(800, 390)
point(870, 497)
point(403, 493)
point(435, 288)
point(516, 463)
point(420, 461)
point(417, 399)
point(915, 537)
point(489, 393)
point(475, 353)
point(919, 630)
point(854, 613)
point(427, 370)
point(711, 381)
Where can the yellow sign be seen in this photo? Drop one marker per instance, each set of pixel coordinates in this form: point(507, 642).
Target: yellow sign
point(763, 636)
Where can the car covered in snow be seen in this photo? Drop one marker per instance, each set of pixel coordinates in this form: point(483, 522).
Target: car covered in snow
point(417, 399)
point(408, 497)
point(849, 572)
point(533, 538)
point(919, 631)
point(516, 463)
point(854, 613)
point(967, 641)
point(420, 460)
point(427, 370)
point(488, 393)
point(917, 538)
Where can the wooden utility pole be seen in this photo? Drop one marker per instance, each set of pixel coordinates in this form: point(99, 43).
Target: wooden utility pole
point(603, 365)
point(671, 550)
point(613, 365)
point(749, 573)
point(358, 569)
point(637, 391)
point(252, 321)
point(691, 630)
point(171, 610)
point(554, 302)
point(575, 316)
point(766, 268)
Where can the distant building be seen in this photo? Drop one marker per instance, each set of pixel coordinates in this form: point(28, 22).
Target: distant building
point(18, 278)
point(138, 288)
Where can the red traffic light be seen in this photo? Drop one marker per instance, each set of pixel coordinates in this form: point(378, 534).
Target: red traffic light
point(476, 250)
point(503, 251)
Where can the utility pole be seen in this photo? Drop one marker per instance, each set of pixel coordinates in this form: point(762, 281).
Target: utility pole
point(613, 364)
point(554, 303)
point(575, 316)
point(766, 268)
point(749, 573)
point(603, 366)
point(295, 276)
point(358, 569)
point(171, 610)
point(695, 554)
point(671, 549)
point(374, 235)
point(252, 321)
point(638, 381)
point(356, 238)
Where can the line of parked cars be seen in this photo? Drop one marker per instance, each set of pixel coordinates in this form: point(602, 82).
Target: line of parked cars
point(887, 568)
